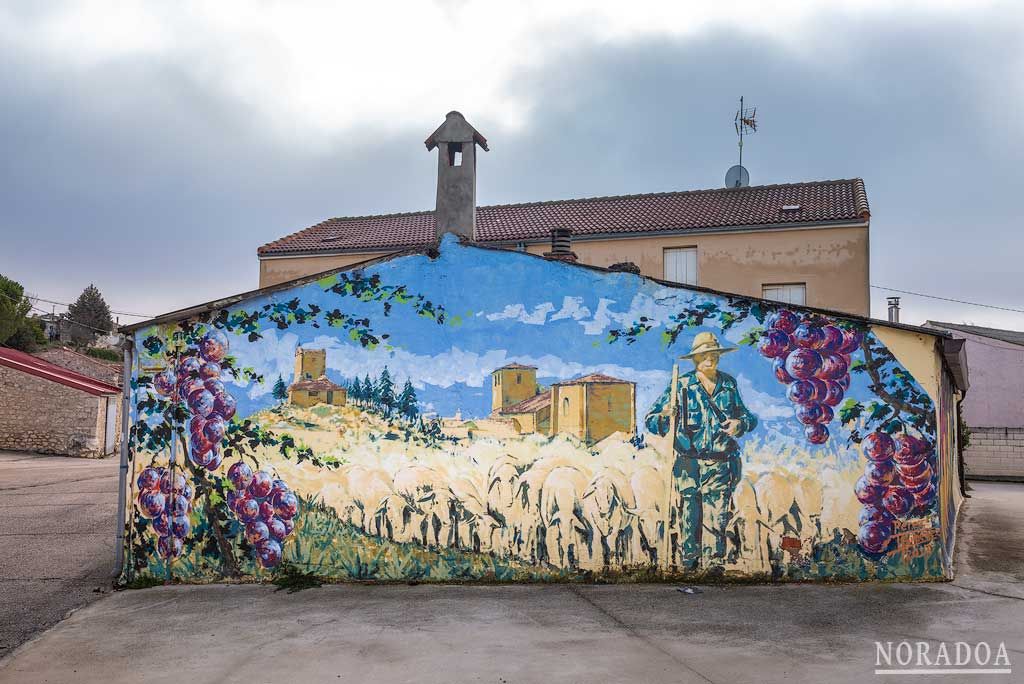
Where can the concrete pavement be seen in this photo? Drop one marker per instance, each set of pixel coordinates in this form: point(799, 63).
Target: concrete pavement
point(510, 634)
point(57, 525)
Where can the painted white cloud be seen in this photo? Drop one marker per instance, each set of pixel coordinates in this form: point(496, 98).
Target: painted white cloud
point(518, 312)
point(763, 405)
point(272, 355)
point(655, 308)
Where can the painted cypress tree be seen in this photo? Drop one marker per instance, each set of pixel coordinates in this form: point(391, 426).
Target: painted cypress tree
point(355, 390)
point(407, 402)
point(280, 390)
point(386, 392)
point(370, 395)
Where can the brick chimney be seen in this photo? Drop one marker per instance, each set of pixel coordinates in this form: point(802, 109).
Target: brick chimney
point(456, 142)
point(561, 245)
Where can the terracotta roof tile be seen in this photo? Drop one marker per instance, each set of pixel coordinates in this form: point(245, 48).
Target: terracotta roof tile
point(26, 363)
point(320, 384)
point(819, 201)
point(595, 378)
point(534, 403)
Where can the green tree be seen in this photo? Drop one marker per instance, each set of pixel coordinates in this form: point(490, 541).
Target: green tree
point(14, 308)
point(355, 390)
point(370, 395)
point(280, 390)
point(386, 392)
point(89, 315)
point(407, 402)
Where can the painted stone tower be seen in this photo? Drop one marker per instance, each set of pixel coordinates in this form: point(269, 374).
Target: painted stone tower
point(311, 385)
point(310, 364)
point(512, 384)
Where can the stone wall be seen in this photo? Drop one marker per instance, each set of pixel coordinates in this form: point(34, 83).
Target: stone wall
point(995, 453)
point(104, 371)
point(44, 416)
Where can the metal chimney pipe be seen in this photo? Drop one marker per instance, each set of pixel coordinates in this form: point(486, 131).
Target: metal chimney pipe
point(894, 309)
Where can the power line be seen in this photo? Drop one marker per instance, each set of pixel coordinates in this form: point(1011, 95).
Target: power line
point(65, 317)
point(948, 299)
point(29, 295)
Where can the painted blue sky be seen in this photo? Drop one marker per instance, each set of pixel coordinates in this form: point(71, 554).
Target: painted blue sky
point(504, 307)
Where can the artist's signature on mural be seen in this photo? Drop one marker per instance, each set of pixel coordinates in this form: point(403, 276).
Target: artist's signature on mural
point(941, 658)
point(914, 538)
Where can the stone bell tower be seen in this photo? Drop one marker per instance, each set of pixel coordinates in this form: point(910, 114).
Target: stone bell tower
point(456, 142)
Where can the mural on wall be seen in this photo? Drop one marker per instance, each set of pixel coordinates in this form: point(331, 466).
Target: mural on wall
point(492, 415)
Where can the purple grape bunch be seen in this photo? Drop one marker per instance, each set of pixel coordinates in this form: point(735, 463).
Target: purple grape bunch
point(811, 357)
point(166, 503)
point(197, 381)
point(266, 507)
point(899, 482)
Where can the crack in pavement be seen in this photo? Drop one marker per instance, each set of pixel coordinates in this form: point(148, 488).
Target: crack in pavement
point(636, 633)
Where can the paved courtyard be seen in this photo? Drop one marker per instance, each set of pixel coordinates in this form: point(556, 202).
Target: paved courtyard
point(553, 633)
point(57, 523)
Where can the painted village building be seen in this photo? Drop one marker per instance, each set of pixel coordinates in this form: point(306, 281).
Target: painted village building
point(589, 408)
point(311, 385)
point(822, 446)
point(54, 410)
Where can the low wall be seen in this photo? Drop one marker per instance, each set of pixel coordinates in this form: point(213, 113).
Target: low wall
point(104, 371)
point(996, 453)
point(50, 418)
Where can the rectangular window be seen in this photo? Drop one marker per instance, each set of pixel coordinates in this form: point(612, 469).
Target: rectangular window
point(791, 293)
point(681, 265)
point(314, 394)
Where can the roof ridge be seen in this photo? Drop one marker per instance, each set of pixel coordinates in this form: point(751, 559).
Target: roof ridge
point(667, 193)
point(860, 202)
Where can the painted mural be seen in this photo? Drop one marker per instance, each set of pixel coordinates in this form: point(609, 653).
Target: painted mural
point(491, 415)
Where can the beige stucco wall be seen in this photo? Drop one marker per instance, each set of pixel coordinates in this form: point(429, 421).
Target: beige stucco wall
point(833, 262)
point(280, 270)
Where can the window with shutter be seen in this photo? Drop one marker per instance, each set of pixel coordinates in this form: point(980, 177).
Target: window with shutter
point(790, 293)
point(681, 265)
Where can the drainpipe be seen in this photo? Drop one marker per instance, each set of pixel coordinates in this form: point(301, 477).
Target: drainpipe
point(122, 479)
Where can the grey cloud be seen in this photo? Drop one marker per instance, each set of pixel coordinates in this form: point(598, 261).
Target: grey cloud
point(140, 178)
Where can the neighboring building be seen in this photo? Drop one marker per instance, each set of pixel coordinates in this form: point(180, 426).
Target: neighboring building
point(311, 385)
point(589, 408)
point(802, 243)
point(994, 408)
point(104, 371)
point(53, 410)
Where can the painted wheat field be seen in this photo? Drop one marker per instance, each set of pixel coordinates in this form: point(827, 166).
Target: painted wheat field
point(532, 508)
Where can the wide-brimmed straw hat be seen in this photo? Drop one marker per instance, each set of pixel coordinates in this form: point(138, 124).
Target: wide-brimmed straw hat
point(704, 343)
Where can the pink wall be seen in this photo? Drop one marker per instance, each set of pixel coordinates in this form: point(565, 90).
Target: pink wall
point(996, 394)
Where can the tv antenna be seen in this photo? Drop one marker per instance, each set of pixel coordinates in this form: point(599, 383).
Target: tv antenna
point(745, 123)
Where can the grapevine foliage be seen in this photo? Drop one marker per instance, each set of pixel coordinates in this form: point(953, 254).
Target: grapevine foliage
point(902, 402)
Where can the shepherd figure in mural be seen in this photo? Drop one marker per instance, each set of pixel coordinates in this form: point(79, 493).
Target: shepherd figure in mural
point(704, 410)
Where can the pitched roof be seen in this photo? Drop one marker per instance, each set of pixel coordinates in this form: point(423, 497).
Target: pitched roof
point(1011, 336)
point(595, 378)
point(26, 363)
point(534, 403)
point(514, 366)
point(756, 206)
point(320, 384)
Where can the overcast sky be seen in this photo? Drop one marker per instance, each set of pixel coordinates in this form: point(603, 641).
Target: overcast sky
point(151, 151)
